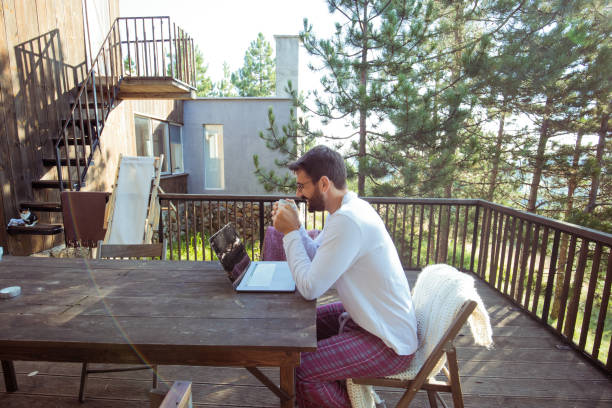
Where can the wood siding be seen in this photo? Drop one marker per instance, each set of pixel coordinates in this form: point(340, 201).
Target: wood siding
point(119, 137)
point(42, 59)
point(175, 183)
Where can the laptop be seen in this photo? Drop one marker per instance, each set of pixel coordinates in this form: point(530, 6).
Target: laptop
point(247, 275)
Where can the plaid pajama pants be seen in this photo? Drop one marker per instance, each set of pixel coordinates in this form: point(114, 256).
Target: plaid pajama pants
point(352, 353)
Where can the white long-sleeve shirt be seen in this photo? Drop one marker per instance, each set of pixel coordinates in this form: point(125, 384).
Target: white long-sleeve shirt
point(355, 254)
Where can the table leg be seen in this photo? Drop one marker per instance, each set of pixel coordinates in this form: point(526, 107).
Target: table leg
point(10, 379)
point(287, 384)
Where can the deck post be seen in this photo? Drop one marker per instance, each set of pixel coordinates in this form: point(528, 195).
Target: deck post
point(474, 237)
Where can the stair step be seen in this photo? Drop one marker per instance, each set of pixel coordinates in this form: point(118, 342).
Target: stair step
point(71, 140)
point(63, 162)
point(102, 84)
point(91, 104)
point(51, 206)
point(77, 123)
point(49, 184)
point(38, 229)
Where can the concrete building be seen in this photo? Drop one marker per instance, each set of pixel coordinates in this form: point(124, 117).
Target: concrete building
point(221, 135)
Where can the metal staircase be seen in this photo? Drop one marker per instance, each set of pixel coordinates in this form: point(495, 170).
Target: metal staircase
point(140, 58)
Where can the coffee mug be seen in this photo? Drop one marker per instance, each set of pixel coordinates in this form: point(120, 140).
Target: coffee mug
point(291, 204)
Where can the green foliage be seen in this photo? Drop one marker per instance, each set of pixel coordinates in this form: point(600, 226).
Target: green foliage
point(203, 82)
point(197, 248)
point(224, 87)
point(258, 75)
point(129, 66)
point(468, 99)
point(293, 140)
point(600, 219)
point(360, 63)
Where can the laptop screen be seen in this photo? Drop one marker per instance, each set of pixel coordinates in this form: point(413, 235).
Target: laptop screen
point(230, 251)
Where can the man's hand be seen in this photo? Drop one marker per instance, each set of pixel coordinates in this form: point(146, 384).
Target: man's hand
point(285, 218)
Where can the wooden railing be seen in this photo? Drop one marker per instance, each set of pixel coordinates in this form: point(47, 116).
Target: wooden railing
point(143, 47)
point(558, 273)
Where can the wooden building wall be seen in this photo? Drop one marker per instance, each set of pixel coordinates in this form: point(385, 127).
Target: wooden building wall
point(41, 60)
point(119, 136)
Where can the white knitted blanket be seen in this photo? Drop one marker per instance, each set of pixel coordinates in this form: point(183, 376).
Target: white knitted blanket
point(439, 293)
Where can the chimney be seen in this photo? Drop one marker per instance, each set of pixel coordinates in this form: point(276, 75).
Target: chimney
point(287, 51)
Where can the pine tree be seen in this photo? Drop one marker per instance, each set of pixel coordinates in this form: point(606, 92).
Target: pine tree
point(129, 66)
point(203, 82)
point(358, 78)
point(258, 75)
point(290, 142)
point(224, 87)
point(534, 70)
point(432, 104)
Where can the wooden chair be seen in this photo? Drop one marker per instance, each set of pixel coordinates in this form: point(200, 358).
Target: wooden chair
point(422, 381)
point(83, 215)
point(444, 300)
point(134, 251)
point(178, 396)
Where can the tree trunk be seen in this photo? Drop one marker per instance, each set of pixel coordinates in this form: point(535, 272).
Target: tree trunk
point(444, 227)
point(538, 165)
point(362, 109)
point(595, 178)
point(496, 157)
point(572, 183)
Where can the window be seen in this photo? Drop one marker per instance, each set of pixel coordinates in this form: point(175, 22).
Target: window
point(161, 142)
point(213, 156)
point(144, 144)
point(176, 149)
point(156, 137)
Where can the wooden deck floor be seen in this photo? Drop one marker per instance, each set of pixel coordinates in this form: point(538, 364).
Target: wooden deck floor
point(528, 368)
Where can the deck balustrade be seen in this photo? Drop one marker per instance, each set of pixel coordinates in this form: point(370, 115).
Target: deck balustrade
point(558, 273)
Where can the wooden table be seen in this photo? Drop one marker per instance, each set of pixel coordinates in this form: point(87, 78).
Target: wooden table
point(156, 312)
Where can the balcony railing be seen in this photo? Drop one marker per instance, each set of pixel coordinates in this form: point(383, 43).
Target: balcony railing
point(149, 48)
point(559, 273)
point(153, 47)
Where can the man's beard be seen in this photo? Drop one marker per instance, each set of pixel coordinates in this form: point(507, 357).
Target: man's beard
point(315, 203)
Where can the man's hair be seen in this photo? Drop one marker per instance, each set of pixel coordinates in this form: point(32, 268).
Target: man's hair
point(322, 161)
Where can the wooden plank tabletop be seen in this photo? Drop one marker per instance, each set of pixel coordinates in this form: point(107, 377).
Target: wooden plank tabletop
point(164, 312)
point(526, 369)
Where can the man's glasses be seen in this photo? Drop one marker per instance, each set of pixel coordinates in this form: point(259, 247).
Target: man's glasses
point(300, 186)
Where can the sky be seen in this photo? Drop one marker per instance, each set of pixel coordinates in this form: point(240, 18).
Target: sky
point(223, 29)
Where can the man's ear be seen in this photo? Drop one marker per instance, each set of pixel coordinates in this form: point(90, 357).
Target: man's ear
point(325, 183)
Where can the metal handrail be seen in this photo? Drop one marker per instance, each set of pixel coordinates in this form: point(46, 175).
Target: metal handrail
point(98, 91)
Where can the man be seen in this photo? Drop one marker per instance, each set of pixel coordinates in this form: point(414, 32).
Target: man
point(372, 331)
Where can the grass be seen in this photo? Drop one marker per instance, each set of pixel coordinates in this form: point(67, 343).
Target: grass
point(199, 249)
